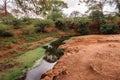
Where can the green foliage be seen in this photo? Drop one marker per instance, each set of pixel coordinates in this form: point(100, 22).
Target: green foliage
point(116, 17)
point(40, 25)
point(97, 16)
point(26, 20)
point(7, 20)
point(49, 23)
point(59, 52)
point(13, 74)
point(83, 28)
point(34, 21)
point(16, 23)
point(28, 30)
point(55, 15)
point(110, 28)
point(5, 31)
point(7, 42)
point(61, 24)
point(70, 23)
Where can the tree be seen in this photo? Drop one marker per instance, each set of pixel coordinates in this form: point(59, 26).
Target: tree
point(97, 16)
point(99, 4)
point(43, 7)
point(55, 15)
point(95, 4)
point(4, 6)
point(38, 7)
point(75, 14)
point(116, 3)
point(53, 5)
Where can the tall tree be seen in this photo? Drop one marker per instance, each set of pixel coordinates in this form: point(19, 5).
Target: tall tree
point(75, 14)
point(99, 4)
point(4, 6)
point(44, 7)
point(116, 3)
point(94, 4)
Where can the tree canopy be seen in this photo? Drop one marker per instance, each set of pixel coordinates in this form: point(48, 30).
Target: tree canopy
point(43, 7)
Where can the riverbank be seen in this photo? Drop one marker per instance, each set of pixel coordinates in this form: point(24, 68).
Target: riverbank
point(93, 57)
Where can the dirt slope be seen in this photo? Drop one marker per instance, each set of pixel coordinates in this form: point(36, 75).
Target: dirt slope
point(95, 57)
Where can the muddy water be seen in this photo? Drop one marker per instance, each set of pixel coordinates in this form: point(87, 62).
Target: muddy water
point(40, 67)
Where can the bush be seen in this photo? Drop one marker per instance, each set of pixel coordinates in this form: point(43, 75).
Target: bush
point(27, 30)
point(55, 15)
point(5, 31)
point(61, 24)
point(70, 23)
point(110, 28)
point(16, 23)
point(7, 20)
point(40, 25)
point(26, 20)
point(49, 23)
point(97, 16)
point(83, 28)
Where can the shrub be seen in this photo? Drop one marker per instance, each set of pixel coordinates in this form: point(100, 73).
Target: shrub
point(55, 15)
point(5, 31)
point(49, 23)
point(110, 28)
point(26, 20)
point(27, 30)
point(83, 28)
point(97, 16)
point(7, 20)
point(61, 24)
point(16, 23)
point(70, 23)
point(40, 25)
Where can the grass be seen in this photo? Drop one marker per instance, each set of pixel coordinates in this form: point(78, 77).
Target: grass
point(30, 57)
point(26, 61)
point(7, 42)
point(38, 36)
point(14, 74)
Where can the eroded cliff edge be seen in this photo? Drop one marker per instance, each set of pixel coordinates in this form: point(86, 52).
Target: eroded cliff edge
point(94, 57)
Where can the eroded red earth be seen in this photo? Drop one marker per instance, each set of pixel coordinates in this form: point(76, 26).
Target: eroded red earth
point(94, 57)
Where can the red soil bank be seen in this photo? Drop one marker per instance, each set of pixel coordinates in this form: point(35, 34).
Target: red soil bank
point(95, 57)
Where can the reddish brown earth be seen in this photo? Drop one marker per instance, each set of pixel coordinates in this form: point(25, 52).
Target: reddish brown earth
point(95, 57)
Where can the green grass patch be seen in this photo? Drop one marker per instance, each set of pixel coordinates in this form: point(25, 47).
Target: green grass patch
point(26, 61)
point(37, 36)
point(30, 57)
point(13, 74)
point(7, 42)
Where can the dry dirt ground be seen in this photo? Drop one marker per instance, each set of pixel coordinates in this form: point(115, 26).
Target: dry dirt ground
point(94, 57)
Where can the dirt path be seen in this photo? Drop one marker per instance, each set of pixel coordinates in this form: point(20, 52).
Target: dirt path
point(95, 57)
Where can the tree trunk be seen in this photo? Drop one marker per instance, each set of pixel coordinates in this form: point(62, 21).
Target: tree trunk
point(5, 7)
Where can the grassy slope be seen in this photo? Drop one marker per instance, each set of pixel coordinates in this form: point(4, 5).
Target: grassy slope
point(26, 61)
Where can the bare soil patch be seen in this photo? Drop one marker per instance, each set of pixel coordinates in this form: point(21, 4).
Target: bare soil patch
point(94, 57)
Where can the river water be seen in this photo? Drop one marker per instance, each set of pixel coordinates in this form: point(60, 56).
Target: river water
point(40, 67)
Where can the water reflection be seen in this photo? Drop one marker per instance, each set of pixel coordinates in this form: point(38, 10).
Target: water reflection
point(41, 67)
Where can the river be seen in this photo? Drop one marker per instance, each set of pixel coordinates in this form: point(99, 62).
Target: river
point(40, 67)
